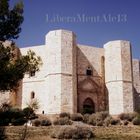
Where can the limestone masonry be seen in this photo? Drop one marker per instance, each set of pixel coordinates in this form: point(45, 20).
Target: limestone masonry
point(80, 78)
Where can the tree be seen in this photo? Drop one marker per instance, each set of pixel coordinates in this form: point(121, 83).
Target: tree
point(13, 65)
point(10, 20)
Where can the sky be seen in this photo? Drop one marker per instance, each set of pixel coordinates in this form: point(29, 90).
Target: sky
point(95, 22)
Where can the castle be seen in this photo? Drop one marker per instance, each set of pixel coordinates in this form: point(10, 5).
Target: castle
point(77, 78)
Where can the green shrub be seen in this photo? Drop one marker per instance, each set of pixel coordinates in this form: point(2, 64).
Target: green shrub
point(64, 114)
point(9, 115)
point(114, 121)
point(16, 113)
point(76, 117)
point(15, 116)
point(136, 121)
point(73, 132)
point(4, 122)
point(18, 121)
point(62, 121)
point(46, 122)
point(28, 111)
point(36, 123)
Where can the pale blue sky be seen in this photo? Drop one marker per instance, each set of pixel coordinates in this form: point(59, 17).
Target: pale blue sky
point(107, 20)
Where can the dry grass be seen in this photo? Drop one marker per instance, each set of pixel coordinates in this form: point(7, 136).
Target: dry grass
point(117, 133)
point(102, 133)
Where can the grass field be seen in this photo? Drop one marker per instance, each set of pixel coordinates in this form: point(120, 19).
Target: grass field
point(101, 133)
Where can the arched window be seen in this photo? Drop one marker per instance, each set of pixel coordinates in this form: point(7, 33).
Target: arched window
point(32, 95)
point(89, 71)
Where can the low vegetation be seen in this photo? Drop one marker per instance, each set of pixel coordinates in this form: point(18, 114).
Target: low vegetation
point(128, 116)
point(71, 126)
point(72, 132)
point(76, 117)
point(15, 116)
point(64, 114)
point(62, 121)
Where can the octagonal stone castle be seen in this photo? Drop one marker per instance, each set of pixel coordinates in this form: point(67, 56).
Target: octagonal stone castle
point(77, 78)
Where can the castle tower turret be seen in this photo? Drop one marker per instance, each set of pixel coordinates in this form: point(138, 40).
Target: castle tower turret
point(118, 76)
point(61, 72)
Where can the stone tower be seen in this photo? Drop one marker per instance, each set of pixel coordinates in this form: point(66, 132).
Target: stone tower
point(61, 81)
point(118, 76)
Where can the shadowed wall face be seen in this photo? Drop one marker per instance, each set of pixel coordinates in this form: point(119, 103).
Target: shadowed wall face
point(136, 83)
point(90, 78)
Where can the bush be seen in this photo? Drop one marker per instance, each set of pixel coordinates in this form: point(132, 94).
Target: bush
point(4, 122)
point(28, 111)
point(107, 121)
point(114, 121)
point(64, 132)
point(10, 116)
point(99, 123)
point(15, 113)
point(19, 121)
point(86, 118)
point(73, 132)
point(101, 115)
point(46, 122)
point(15, 116)
point(36, 123)
point(136, 121)
point(132, 116)
point(62, 121)
point(98, 118)
point(125, 122)
point(82, 132)
point(127, 116)
point(76, 117)
point(92, 119)
point(64, 114)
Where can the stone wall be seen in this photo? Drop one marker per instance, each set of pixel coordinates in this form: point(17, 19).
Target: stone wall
point(90, 86)
point(118, 76)
point(62, 84)
point(136, 83)
point(36, 83)
point(61, 72)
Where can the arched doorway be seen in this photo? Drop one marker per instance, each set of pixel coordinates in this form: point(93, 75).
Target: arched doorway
point(88, 106)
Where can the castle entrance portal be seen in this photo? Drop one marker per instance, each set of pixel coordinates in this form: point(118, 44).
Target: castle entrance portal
point(88, 106)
